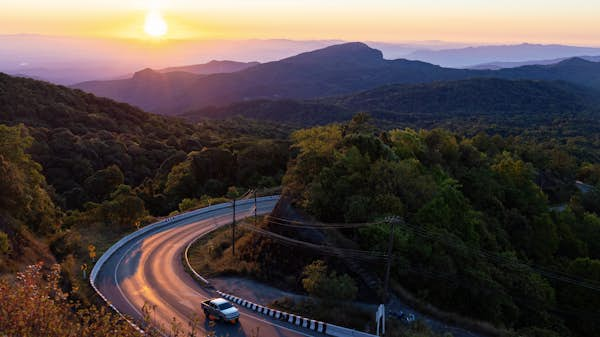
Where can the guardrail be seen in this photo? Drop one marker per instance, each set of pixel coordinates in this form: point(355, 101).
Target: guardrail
point(307, 323)
point(160, 225)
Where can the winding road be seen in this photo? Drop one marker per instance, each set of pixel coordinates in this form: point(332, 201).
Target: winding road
point(149, 270)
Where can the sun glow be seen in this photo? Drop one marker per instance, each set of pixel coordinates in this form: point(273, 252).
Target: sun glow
point(155, 24)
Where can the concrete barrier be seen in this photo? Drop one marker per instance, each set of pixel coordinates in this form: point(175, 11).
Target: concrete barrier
point(306, 323)
point(338, 331)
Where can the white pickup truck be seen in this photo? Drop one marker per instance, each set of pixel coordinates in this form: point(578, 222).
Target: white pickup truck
point(220, 309)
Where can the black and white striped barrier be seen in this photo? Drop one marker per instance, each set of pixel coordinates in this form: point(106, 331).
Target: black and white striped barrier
point(306, 323)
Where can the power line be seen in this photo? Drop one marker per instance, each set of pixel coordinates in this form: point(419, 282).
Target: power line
point(559, 276)
point(514, 264)
point(448, 277)
point(327, 250)
point(297, 224)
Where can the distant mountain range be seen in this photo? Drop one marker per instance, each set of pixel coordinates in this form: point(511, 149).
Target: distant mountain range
point(421, 104)
point(69, 60)
point(502, 65)
point(212, 67)
point(331, 71)
point(466, 57)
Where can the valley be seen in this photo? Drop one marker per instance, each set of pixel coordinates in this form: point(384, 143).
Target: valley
point(469, 162)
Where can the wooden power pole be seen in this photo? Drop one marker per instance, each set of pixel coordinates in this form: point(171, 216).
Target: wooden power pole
point(392, 221)
point(255, 211)
point(233, 230)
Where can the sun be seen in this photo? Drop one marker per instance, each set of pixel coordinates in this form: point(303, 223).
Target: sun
point(155, 24)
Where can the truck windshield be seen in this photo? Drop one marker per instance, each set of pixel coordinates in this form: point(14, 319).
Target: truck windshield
point(224, 306)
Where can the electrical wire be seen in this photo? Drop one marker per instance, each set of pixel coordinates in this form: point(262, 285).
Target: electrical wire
point(503, 260)
point(327, 250)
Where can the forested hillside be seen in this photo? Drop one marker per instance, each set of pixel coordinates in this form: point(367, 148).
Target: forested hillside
point(494, 227)
point(467, 106)
point(478, 236)
point(87, 146)
point(78, 170)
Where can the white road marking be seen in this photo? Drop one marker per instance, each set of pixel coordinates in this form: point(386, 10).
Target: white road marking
point(139, 312)
point(198, 294)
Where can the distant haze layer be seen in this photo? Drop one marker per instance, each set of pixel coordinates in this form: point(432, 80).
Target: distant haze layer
point(69, 60)
point(66, 60)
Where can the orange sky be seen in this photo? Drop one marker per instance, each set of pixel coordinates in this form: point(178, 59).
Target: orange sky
point(506, 21)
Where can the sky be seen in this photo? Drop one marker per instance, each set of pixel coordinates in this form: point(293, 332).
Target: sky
point(477, 21)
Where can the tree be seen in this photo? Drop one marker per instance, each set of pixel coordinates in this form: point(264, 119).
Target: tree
point(318, 283)
point(584, 300)
point(35, 305)
point(181, 181)
point(450, 209)
point(102, 183)
point(4, 243)
point(23, 188)
point(123, 209)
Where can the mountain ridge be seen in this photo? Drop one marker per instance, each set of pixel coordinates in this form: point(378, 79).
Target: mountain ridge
point(466, 57)
point(502, 65)
point(211, 67)
point(331, 71)
point(404, 102)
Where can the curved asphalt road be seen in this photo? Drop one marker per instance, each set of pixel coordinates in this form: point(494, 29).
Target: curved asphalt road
point(149, 270)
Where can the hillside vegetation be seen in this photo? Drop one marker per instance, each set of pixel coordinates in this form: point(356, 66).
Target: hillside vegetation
point(455, 104)
point(87, 146)
point(77, 172)
point(478, 236)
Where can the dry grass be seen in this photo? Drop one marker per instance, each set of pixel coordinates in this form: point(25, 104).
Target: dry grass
point(212, 255)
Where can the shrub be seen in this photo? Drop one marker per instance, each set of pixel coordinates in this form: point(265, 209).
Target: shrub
point(318, 283)
point(34, 305)
point(4, 243)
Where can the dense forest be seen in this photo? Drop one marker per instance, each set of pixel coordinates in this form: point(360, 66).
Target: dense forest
point(477, 223)
point(78, 172)
point(478, 235)
point(491, 212)
point(87, 146)
point(508, 107)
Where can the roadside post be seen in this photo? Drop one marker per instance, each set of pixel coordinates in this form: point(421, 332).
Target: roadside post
point(233, 230)
point(380, 318)
point(392, 221)
point(84, 268)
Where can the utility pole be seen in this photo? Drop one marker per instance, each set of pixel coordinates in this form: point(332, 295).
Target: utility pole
point(392, 221)
point(255, 219)
point(233, 230)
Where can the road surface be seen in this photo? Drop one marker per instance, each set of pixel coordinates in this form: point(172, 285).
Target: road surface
point(149, 270)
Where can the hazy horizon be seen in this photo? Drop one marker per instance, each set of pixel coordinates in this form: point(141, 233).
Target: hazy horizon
point(466, 21)
point(70, 59)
